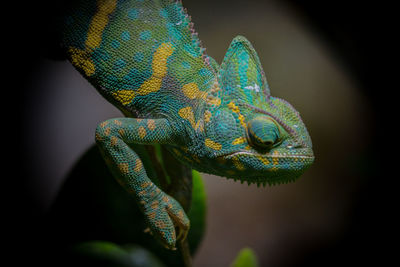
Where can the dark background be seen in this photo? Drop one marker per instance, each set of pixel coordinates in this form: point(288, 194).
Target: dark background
point(356, 33)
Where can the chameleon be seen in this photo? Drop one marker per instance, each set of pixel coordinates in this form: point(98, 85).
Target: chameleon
point(147, 60)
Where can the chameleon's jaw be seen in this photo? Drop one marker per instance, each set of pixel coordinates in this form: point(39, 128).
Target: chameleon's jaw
point(270, 168)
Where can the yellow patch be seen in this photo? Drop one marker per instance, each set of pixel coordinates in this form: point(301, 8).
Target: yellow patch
point(242, 120)
point(239, 140)
point(138, 165)
point(99, 22)
point(142, 132)
point(153, 84)
point(213, 100)
point(107, 131)
point(236, 110)
point(123, 167)
point(121, 132)
point(114, 140)
point(191, 90)
point(263, 160)
point(233, 107)
point(103, 124)
point(98, 137)
point(187, 114)
point(151, 124)
point(238, 164)
point(124, 96)
point(151, 215)
point(154, 205)
point(211, 144)
point(145, 184)
point(117, 122)
point(207, 116)
point(81, 58)
point(275, 160)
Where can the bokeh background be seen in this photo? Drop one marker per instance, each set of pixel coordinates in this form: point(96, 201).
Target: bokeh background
point(318, 55)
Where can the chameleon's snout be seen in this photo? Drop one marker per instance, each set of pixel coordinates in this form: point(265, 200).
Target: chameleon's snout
point(270, 168)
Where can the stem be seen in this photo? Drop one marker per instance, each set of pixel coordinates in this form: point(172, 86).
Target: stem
point(184, 248)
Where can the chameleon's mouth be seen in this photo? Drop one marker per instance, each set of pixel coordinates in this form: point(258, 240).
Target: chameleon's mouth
point(306, 156)
point(269, 168)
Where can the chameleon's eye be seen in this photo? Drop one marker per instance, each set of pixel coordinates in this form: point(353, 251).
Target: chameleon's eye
point(262, 133)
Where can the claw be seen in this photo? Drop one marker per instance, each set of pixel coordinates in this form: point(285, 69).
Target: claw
point(148, 231)
point(167, 221)
point(180, 233)
point(168, 247)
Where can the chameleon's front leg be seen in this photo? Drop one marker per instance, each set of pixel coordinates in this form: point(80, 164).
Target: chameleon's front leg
point(114, 138)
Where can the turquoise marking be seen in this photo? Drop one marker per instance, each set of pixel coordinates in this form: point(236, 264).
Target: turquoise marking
point(204, 72)
point(115, 44)
point(113, 79)
point(190, 49)
point(119, 65)
point(125, 35)
point(133, 14)
point(145, 35)
point(163, 13)
point(139, 56)
point(186, 65)
point(173, 32)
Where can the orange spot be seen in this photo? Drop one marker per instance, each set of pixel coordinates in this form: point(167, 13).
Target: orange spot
point(124, 168)
point(151, 124)
point(142, 132)
point(138, 165)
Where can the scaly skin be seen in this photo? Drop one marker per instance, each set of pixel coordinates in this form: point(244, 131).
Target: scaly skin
point(146, 59)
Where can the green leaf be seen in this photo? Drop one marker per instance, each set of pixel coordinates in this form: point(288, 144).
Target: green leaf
point(245, 258)
point(198, 211)
point(102, 253)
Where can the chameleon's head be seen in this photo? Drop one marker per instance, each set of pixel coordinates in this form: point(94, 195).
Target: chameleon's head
point(253, 136)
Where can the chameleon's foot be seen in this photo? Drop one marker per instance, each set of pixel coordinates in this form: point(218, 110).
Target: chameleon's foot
point(164, 214)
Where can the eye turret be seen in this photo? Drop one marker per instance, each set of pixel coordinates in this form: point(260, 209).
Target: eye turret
point(263, 133)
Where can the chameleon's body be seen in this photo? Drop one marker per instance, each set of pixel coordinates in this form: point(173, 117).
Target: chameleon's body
point(146, 59)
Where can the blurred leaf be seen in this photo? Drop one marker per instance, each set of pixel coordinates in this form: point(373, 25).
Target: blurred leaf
point(245, 258)
point(197, 213)
point(91, 205)
point(107, 254)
